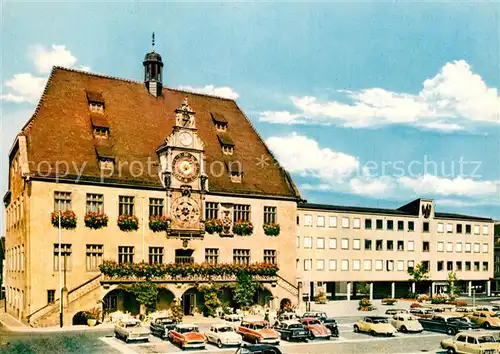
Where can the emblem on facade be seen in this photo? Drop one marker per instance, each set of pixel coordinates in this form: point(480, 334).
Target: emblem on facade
point(426, 210)
point(185, 243)
point(226, 222)
point(185, 211)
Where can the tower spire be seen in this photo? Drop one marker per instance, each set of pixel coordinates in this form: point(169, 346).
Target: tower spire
point(153, 41)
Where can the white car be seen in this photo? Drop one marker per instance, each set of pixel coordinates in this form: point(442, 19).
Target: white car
point(223, 335)
point(131, 330)
point(405, 322)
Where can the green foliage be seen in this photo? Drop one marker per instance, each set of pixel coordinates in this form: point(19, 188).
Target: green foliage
point(363, 288)
point(245, 290)
point(452, 290)
point(211, 297)
point(419, 273)
point(145, 293)
point(321, 298)
point(177, 312)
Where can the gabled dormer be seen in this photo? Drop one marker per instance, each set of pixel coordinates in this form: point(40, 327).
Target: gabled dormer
point(95, 101)
point(220, 121)
point(226, 144)
point(100, 125)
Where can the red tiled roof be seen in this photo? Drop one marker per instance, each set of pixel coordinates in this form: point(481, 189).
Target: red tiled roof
point(61, 130)
point(99, 120)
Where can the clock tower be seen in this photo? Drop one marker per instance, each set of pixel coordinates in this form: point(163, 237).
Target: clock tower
point(183, 176)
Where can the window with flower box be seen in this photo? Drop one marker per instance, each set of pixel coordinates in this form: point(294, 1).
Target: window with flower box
point(241, 212)
point(95, 203)
point(241, 256)
point(211, 210)
point(94, 255)
point(126, 205)
point(62, 201)
point(212, 255)
point(65, 256)
point(156, 206)
point(155, 255)
point(125, 254)
point(269, 214)
point(270, 256)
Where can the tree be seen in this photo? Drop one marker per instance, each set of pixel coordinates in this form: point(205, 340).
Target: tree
point(245, 290)
point(419, 273)
point(452, 289)
point(146, 294)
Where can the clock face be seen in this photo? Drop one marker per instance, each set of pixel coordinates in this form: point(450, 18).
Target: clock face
point(185, 138)
point(185, 167)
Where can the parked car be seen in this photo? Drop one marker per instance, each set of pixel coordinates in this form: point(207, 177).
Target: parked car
point(486, 320)
point(233, 317)
point(423, 312)
point(484, 308)
point(404, 322)
point(495, 308)
point(331, 324)
point(292, 330)
point(161, 326)
point(392, 312)
point(375, 325)
point(131, 330)
point(286, 316)
point(187, 336)
point(315, 328)
point(471, 342)
point(315, 314)
point(258, 349)
point(223, 335)
point(258, 331)
point(445, 324)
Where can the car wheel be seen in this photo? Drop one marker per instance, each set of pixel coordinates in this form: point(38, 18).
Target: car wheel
point(126, 340)
point(183, 347)
point(403, 329)
point(311, 336)
point(219, 343)
point(486, 325)
point(450, 350)
point(356, 329)
point(373, 333)
point(450, 331)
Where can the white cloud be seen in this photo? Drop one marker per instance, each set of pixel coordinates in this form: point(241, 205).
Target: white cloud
point(448, 101)
point(222, 91)
point(44, 58)
point(27, 87)
point(465, 203)
point(299, 154)
point(330, 171)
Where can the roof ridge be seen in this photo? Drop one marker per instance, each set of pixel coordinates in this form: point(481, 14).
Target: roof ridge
point(138, 82)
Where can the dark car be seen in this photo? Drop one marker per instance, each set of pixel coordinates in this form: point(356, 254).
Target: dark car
point(392, 312)
point(445, 324)
point(258, 349)
point(160, 326)
point(315, 314)
point(292, 330)
point(331, 324)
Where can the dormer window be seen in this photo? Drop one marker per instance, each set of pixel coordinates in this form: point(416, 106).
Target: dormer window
point(101, 132)
point(236, 176)
point(106, 164)
point(226, 144)
point(96, 102)
point(235, 171)
point(220, 121)
point(100, 125)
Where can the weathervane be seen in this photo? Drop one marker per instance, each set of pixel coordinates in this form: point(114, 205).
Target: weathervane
point(153, 41)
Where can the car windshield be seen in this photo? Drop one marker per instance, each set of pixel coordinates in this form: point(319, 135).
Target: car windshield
point(187, 329)
point(380, 320)
point(313, 322)
point(132, 324)
point(166, 321)
point(226, 329)
point(295, 325)
point(260, 325)
point(486, 339)
point(458, 319)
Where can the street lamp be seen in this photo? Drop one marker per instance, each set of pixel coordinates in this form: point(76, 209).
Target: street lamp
point(474, 288)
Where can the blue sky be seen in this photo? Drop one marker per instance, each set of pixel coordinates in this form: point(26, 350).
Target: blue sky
point(336, 89)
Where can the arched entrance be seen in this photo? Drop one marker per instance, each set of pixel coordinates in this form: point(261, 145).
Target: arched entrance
point(192, 302)
point(80, 318)
point(264, 297)
point(120, 300)
point(165, 299)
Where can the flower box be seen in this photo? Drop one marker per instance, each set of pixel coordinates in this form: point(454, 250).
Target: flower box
point(271, 229)
point(389, 301)
point(365, 305)
point(213, 226)
point(68, 219)
point(128, 222)
point(243, 228)
point(158, 223)
point(96, 220)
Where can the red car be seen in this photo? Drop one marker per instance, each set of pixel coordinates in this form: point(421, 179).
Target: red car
point(187, 336)
point(258, 332)
point(316, 328)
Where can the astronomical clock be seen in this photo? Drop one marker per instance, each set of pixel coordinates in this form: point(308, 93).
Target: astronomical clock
point(183, 176)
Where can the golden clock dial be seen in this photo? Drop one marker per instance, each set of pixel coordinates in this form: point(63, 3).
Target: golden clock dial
point(185, 167)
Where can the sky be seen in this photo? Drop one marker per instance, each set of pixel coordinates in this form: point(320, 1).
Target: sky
point(365, 103)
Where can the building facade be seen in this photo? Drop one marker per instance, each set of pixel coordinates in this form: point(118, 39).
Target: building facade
point(348, 252)
point(497, 258)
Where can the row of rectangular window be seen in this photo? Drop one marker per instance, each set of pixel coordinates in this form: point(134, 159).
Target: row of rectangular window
point(15, 212)
point(126, 206)
point(390, 225)
point(14, 258)
point(94, 256)
point(390, 245)
point(390, 265)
